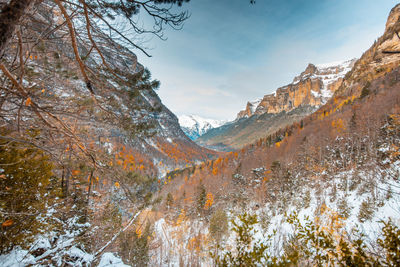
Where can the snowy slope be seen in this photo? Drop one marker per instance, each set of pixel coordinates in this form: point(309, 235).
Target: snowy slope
point(194, 126)
point(331, 72)
point(328, 73)
point(253, 105)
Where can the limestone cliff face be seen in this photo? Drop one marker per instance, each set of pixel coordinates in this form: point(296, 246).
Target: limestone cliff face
point(313, 87)
point(394, 17)
point(249, 110)
point(377, 61)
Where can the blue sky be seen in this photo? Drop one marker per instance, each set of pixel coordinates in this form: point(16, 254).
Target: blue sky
point(230, 52)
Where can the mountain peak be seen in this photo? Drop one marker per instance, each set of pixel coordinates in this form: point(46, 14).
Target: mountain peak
point(194, 126)
point(311, 68)
point(394, 17)
point(312, 87)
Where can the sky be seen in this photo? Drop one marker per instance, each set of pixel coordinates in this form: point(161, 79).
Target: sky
point(230, 52)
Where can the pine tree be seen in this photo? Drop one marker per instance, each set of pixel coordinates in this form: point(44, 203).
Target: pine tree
point(218, 225)
point(366, 210)
point(134, 246)
point(202, 198)
point(343, 207)
point(247, 252)
point(169, 201)
point(24, 179)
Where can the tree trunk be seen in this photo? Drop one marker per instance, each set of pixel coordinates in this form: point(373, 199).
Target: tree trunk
point(10, 15)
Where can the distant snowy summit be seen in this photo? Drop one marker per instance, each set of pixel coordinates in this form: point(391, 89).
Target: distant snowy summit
point(195, 126)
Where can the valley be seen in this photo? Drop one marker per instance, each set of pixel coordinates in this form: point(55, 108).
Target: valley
point(95, 170)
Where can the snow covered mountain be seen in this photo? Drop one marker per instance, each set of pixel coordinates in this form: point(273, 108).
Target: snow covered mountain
point(194, 126)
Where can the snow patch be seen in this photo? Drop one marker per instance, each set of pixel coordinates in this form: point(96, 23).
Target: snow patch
point(17, 257)
point(108, 259)
point(254, 104)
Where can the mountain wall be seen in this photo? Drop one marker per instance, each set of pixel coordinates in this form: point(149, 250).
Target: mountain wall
point(312, 87)
point(289, 104)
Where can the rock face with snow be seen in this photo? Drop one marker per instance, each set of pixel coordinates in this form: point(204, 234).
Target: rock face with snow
point(195, 126)
point(308, 91)
point(313, 87)
point(250, 109)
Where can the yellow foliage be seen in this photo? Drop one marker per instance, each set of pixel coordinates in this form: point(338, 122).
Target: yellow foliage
point(338, 125)
point(139, 232)
point(215, 171)
point(209, 201)
point(181, 217)
point(117, 185)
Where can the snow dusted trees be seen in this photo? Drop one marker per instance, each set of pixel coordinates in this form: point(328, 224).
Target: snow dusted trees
point(323, 242)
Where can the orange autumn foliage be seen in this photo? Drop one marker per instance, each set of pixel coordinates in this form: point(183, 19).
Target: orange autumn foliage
point(7, 223)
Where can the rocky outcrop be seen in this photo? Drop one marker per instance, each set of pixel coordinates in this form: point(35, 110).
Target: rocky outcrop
point(313, 87)
point(249, 110)
point(393, 18)
point(290, 103)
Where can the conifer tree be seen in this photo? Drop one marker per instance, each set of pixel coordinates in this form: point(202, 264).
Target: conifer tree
point(202, 197)
point(25, 174)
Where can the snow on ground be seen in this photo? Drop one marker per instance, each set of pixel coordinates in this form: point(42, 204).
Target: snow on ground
point(17, 257)
point(174, 238)
point(108, 259)
point(340, 63)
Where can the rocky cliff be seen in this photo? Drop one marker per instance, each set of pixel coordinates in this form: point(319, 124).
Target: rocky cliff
point(308, 91)
point(313, 87)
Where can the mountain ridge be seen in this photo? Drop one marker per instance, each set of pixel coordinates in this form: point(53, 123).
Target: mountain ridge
point(195, 126)
point(289, 97)
point(288, 104)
